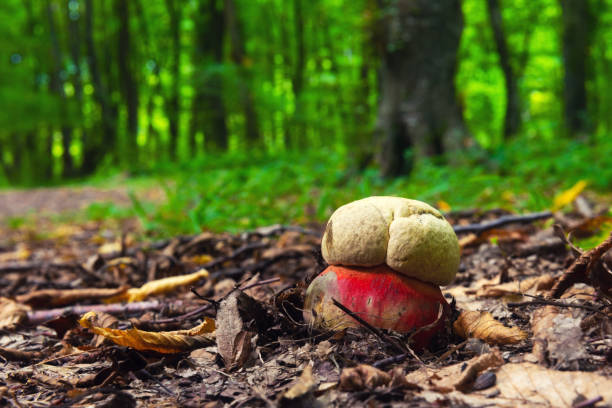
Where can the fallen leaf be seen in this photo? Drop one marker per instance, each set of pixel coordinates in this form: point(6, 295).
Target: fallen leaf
point(46, 298)
point(158, 287)
point(558, 337)
point(362, 377)
point(482, 325)
point(163, 342)
point(229, 329)
point(12, 313)
point(300, 394)
point(530, 286)
point(568, 196)
point(458, 376)
point(533, 384)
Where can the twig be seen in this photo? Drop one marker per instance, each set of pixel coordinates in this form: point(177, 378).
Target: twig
point(500, 222)
point(41, 316)
point(589, 402)
point(580, 269)
point(390, 360)
point(553, 303)
point(260, 283)
point(397, 345)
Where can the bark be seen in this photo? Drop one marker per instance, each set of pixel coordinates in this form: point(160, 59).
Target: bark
point(418, 107)
point(94, 150)
point(578, 27)
point(239, 58)
point(512, 118)
point(56, 84)
point(129, 87)
point(172, 104)
point(208, 114)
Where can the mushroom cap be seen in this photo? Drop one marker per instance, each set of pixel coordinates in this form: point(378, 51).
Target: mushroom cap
point(410, 236)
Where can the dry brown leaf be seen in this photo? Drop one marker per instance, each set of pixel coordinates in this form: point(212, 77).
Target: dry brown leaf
point(530, 286)
point(532, 384)
point(300, 393)
point(46, 298)
point(482, 325)
point(458, 376)
point(362, 377)
point(558, 337)
point(163, 342)
point(12, 313)
point(232, 342)
point(158, 287)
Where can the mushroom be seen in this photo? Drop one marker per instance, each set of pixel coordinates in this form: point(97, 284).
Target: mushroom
point(387, 257)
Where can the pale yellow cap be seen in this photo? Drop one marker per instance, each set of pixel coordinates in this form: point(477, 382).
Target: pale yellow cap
point(410, 236)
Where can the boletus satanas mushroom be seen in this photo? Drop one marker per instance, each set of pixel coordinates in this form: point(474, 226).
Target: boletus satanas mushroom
point(387, 257)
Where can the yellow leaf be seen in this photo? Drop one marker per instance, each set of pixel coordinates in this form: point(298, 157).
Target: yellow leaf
point(443, 206)
point(163, 342)
point(483, 326)
point(568, 196)
point(159, 286)
point(201, 259)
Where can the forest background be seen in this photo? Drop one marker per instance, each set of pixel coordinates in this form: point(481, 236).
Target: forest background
point(247, 113)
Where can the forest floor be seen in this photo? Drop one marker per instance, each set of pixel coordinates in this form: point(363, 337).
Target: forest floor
point(535, 348)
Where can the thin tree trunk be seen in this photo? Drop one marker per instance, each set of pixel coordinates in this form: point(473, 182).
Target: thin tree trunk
point(239, 57)
point(57, 86)
point(94, 150)
point(172, 104)
point(129, 87)
point(74, 31)
point(578, 26)
point(418, 105)
point(297, 79)
point(512, 119)
point(208, 113)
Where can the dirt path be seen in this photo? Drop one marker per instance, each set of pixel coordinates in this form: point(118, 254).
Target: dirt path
point(15, 203)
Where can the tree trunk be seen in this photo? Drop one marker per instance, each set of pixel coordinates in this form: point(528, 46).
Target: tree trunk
point(173, 104)
point(129, 87)
point(94, 150)
point(208, 114)
point(57, 86)
point(239, 58)
point(512, 119)
point(578, 27)
point(74, 31)
point(418, 106)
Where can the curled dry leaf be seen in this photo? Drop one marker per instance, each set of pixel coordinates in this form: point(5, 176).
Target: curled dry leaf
point(12, 313)
point(530, 286)
point(460, 376)
point(362, 377)
point(233, 342)
point(483, 326)
point(163, 342)
point(45, 298)
point(159, 286)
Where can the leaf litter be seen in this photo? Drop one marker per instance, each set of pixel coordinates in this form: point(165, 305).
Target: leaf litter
point(509, 342)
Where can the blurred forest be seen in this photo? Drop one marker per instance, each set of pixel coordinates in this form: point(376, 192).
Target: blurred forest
point(127, 83)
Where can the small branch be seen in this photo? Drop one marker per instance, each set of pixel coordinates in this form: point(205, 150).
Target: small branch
point(553, 303)
point(41, 316)
point(500, 222)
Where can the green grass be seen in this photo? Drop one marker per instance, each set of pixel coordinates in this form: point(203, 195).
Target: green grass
point(239, 191)
point(244, 190)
